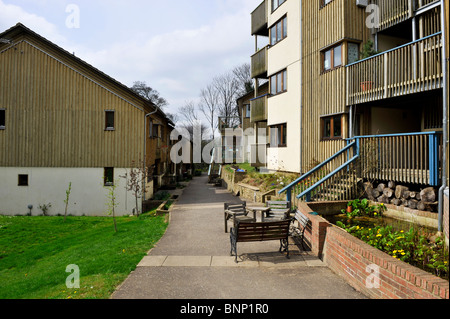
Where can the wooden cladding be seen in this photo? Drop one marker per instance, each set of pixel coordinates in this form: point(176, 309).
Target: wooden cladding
point(258, 108)
point(412, 68)
point(259, 19)
point(259, 64)
point(56, 115)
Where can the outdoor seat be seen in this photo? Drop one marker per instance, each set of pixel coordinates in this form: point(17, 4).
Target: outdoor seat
point(279, 210)
point(236, 212)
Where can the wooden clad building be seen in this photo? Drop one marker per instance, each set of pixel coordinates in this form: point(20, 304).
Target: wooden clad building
point(62, 121)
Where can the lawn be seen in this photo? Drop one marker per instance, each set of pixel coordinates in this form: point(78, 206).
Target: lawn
point(35, 251)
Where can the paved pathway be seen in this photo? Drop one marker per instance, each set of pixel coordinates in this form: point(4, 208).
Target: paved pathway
point(192, 260)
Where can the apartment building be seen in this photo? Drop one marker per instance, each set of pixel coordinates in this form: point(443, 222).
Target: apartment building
point(357, 90)
point(63, 121)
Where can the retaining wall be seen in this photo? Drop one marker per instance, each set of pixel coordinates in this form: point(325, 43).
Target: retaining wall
point(367, 269)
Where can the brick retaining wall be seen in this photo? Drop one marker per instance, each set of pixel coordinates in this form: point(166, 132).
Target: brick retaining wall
point(349, 257)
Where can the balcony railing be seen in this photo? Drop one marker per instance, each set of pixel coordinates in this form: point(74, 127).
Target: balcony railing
point(259, 63)
point(411, 68)
point(260, 19)
point(258, 109)
point(392, 12)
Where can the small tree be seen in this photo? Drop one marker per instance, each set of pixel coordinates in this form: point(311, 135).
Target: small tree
point(66, 201)
point(112, 203)
point(134, 181)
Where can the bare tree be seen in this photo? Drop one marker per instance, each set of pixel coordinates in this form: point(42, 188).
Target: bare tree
point(209, 106)
point(243, 75)
point(227, 87)
point(149, 94)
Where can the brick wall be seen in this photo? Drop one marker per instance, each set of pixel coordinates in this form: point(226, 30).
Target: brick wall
point(349, 257)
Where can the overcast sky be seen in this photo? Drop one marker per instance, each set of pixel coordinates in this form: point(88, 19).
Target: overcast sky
point(176, 46)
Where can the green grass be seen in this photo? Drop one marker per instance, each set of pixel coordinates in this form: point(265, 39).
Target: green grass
point(35, 251)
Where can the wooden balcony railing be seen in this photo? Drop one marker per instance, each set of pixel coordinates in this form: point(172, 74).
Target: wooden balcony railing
point(259, 63)
point(258, 108)
point(392, 12)
point(411, 68)
point(408, 158)
point(260, 19)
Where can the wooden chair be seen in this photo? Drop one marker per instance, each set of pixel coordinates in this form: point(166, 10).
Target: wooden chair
point(236, 212)
point(279, 210)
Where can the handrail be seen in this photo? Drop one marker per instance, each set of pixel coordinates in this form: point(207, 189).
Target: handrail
point(396, 48)
point(258, 97)
point(393, 135)
point(337, 170)
point(297, 181)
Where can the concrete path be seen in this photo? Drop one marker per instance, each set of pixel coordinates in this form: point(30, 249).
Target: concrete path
point(192, 260)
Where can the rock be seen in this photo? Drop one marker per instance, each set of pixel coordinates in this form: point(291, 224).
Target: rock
point(428, 195)
point(399, 191)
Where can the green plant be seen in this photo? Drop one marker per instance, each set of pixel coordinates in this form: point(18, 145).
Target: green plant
point(362, 207)
point(368, 50)
point(66, 201)
point(112, 203)
point(162, 196)
point(45, 208)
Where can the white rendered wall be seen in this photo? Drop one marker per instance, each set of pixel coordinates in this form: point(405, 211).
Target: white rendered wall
point(285, 107)
point(48, 185)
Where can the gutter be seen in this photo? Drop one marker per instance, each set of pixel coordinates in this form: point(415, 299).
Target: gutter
point(445, 122)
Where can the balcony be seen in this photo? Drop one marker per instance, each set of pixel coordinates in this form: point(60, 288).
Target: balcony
point(258, 109)
point(411, 68)
point(259, 64)
point(392, 12)
point(260, 19)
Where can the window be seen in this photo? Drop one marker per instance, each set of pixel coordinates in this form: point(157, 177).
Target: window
point(279, 31)
point(332, 127)
point(332, 58)
point(108, 176)
point(278, 83)
point(278, 135)
point(2, 119)
point(23, 180)
point(276, 4)
point(109, 120)
point(353, 52)
point(247, 110)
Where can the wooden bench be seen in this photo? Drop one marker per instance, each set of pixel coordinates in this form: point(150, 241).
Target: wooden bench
point(279, 210)
point(260, 231)
point(236, 212)
point(299, 230)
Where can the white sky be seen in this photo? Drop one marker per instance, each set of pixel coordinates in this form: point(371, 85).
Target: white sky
point(176, 46)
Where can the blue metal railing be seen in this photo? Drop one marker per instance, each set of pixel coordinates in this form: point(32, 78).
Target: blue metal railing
point(307, 192)
point(407, 162)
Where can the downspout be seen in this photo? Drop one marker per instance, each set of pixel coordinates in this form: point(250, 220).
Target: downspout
point(301, 88)
point(445, 123)
point(145, 148)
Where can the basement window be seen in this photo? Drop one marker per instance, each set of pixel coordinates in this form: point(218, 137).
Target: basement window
point(23, 180)
point(2, 119)
point(108, 176)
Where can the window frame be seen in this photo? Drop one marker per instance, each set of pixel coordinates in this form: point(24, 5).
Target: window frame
point(2, 118)
point(331, 50)
point(113, 127)
point(106, 182)
point(332, 119)
point(284, 79)
point(279, 3)
point(281, 137)
point(280, 25)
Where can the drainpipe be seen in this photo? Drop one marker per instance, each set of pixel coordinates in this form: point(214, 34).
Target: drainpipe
point(145, 147)
point(445, 123)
